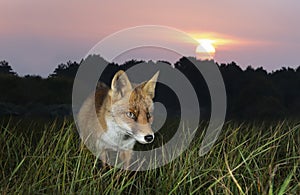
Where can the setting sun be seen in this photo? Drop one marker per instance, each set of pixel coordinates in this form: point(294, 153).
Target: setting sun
point(211, 42)
point(205, 49)
point(206, 45)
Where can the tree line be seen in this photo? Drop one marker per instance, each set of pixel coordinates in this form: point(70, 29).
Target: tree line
point(252, 93)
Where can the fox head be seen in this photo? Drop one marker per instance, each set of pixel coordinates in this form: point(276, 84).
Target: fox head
point(132, 106)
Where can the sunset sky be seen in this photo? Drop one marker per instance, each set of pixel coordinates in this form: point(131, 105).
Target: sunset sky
point(35, 35)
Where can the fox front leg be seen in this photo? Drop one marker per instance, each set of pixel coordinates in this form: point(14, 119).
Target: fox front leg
point(103, 158)
point(125, 156)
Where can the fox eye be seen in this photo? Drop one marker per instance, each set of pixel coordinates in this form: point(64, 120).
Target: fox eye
point(131, 115)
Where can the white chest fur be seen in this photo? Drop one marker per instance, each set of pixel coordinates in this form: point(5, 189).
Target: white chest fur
point(115, 139)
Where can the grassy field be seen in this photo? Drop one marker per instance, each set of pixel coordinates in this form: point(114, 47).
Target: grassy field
point(250, 158)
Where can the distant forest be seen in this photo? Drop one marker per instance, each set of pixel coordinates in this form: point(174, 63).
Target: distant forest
point(252, 93)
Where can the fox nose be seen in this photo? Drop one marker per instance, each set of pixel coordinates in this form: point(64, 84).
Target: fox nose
point(149, 138)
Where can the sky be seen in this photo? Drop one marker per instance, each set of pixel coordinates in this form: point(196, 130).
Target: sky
point(36, 36)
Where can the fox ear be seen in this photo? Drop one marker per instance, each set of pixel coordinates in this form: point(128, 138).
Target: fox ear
point(120, 84)
point(149, 87)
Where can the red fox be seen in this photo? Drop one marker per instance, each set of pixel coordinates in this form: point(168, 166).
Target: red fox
point(124, 114)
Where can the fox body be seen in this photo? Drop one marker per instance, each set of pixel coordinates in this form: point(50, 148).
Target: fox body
point(123, 116)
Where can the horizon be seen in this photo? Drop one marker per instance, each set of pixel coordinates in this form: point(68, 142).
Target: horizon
point(35, 40)
point(156, 61)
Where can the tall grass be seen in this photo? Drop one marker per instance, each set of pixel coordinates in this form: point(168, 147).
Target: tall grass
point(254, 158)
